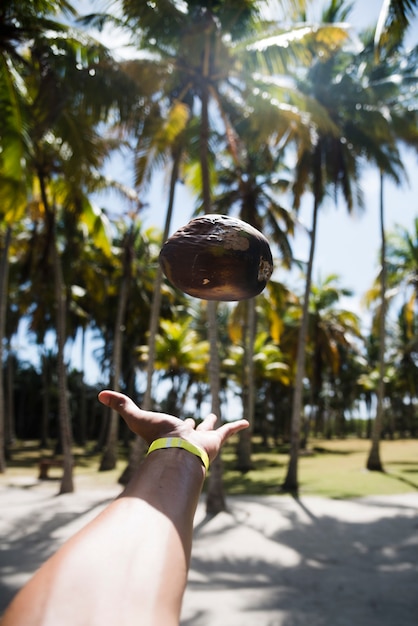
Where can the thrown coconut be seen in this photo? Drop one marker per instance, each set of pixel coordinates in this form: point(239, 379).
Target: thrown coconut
point(217, 257)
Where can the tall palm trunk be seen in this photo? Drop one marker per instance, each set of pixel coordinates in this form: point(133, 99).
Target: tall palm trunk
point(215, 500)
point(373, 462)
point(64, 417)
point(252, 332)
point(138, 445)
point(244, 448)
point(156, 298)
point(67, 484)
point(83, 391)
point(291, 483)
point(110, 453)
point(45, 400)
point(10, 431)
point(4, 280)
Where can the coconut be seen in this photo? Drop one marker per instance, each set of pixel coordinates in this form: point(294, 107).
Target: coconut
point(217, 257)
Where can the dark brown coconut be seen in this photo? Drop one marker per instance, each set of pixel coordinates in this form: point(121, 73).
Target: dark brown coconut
point(216, 257)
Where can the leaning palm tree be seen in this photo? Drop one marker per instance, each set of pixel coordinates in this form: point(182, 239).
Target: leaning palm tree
point(109, 457)
point(20, 23)
point(360, 127)
point(399, 258)
point(388, 59)
point(374, 462)
point(63, 151)
point(314, 166)
point(402, 269)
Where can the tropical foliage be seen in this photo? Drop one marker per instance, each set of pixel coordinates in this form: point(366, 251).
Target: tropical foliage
point(255, 113)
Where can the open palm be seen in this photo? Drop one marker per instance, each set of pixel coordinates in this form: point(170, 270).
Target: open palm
point(151, 425)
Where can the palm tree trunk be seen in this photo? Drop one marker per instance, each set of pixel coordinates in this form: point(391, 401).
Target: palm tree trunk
point(215, 500)
point(45, 400)
point(110, 455)
point(156, 299)
point(67, 484)
point(373, 462)
point(10, 431)
point(244, 448)
point(64, 417)
point(252, 328)
point(83, 399)
point(4, 279)
point(291, 483)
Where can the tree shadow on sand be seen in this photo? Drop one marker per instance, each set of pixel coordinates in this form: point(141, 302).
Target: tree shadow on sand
point(292, 562)
point(35, 533)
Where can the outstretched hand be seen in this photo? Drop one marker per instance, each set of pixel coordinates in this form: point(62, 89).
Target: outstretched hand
point(150, 425)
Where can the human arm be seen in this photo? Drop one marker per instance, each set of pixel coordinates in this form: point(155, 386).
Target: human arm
point(129, 565)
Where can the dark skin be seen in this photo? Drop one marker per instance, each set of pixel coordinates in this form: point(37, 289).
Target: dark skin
point(129, 565)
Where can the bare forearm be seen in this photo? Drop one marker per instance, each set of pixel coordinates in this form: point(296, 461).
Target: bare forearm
point(129, 566)
point(137, 551)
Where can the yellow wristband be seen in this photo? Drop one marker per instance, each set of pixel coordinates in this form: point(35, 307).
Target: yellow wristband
point(178, 442)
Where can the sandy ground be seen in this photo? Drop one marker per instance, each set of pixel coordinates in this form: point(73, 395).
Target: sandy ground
point(268, 561)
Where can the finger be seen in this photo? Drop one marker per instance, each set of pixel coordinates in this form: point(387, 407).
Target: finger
point(190, 423)
point(114, 399)
point(122, 404)
point(208, 423)
point(231, 428)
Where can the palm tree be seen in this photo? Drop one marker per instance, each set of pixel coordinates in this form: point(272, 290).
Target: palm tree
point(392, 24)
point(63, 150)
point(400, 279)
point(214, 66)
point(251, 186)
point(19, 24)
point(374, 462)
point(331, 332)
point(388, 38)
point(181, 357)
point(312, 163)
point(269, 369)
point(183, 42)
point(109, 457)
point(161, 137)
point(333, 162)
point(4, 273)
point(126, 284)
point(404, 392)
point(402, 270)
point(47, 239)
point(362, 129)
point(208, 54)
